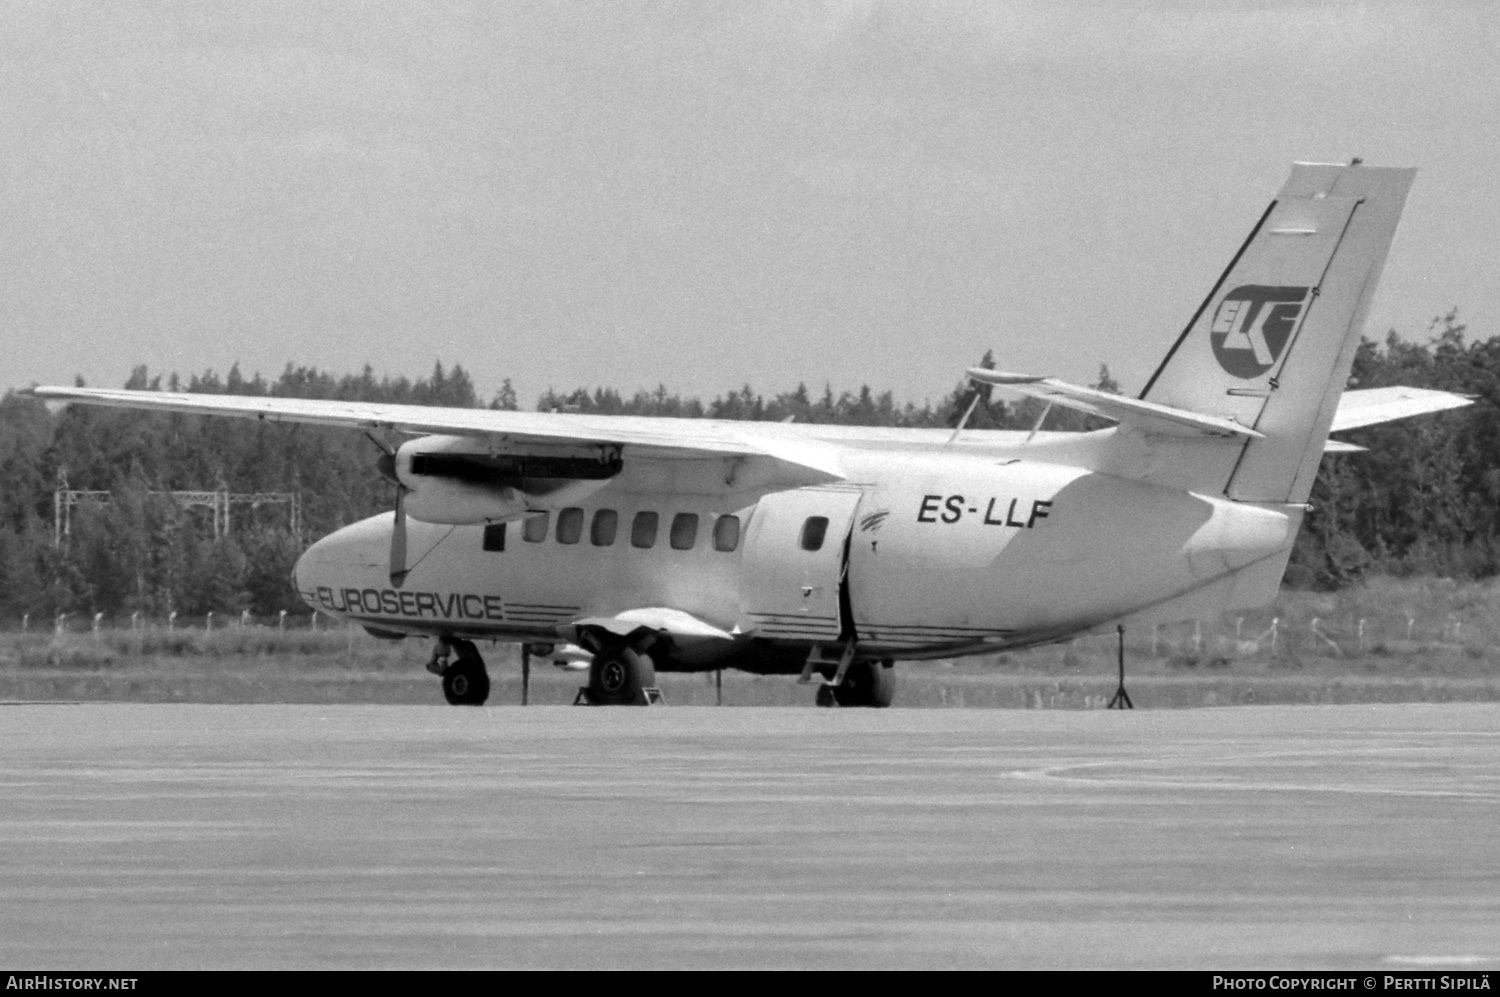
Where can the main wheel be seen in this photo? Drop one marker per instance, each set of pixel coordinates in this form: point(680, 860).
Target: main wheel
point(466, 683)
point(867, 683)
point(619, 677)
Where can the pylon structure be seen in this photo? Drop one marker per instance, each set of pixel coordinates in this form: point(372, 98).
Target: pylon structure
point(220, 501)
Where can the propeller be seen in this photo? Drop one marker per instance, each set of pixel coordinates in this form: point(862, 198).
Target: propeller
point(398, 540)
point(386, 465)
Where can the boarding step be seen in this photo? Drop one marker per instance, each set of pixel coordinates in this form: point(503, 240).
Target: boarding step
point(817, 657)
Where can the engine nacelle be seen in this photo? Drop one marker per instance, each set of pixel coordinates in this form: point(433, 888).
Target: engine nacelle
point(449, 481)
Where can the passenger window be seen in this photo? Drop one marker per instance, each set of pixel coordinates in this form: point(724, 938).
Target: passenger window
point(643, 530)
point(726, 533)
point(602, 533)
point(569, 526)
point(494, 536)
point(535, 530)
point(684, 530)
point(813, 531)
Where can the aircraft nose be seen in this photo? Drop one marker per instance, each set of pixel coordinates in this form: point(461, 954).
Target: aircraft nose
point(355, 555)
point(298, 572)
point(319, 564)
point(306, 574)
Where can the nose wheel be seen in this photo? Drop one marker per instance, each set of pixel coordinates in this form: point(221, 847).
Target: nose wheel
point(466, 682)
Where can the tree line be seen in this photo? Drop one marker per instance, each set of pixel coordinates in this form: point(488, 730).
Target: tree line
point(1424, 499)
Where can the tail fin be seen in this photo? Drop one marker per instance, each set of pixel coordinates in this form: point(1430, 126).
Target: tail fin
point(1272, 344)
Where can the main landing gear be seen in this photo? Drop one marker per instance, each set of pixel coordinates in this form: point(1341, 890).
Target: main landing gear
point(620, 676)
point(466, 682)
point(866, 682)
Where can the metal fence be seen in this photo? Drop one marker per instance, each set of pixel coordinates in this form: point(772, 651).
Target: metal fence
point(66, 623)
point(1231, 637)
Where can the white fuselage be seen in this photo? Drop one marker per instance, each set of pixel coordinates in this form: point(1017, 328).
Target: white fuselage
point(928, 549)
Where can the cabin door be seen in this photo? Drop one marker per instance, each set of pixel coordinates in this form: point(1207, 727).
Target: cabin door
point(795, 564)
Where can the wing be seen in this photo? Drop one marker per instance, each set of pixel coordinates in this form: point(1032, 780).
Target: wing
point(680, 438)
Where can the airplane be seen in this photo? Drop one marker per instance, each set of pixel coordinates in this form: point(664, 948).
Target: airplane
point(646, 545)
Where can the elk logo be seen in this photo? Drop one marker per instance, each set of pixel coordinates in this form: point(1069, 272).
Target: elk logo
point(1253, 325)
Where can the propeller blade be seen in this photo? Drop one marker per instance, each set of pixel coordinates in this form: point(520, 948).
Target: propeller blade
point(398, 540)
point(385, 464)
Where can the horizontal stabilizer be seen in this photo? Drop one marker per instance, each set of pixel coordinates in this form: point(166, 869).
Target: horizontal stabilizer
point(1150, 416)
point(1368, 406)
point(1339, 446)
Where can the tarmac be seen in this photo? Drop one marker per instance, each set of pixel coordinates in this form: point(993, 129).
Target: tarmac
point(195, 836)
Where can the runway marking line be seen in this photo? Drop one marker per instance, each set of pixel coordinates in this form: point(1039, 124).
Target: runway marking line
point(1062, 774)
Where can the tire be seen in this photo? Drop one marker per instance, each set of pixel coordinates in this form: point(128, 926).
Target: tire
point(868, 683)
point(619, 677)
point(466, 682)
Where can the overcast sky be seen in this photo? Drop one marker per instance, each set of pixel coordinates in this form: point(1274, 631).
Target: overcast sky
point(703, 194)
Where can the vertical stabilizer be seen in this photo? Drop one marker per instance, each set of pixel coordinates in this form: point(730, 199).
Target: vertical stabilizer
point(1272, 345)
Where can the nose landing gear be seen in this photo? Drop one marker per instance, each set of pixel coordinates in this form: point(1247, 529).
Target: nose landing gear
point(466, 682)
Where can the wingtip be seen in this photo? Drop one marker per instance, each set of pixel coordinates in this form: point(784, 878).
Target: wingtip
point(53, 404)
point(990, 376)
